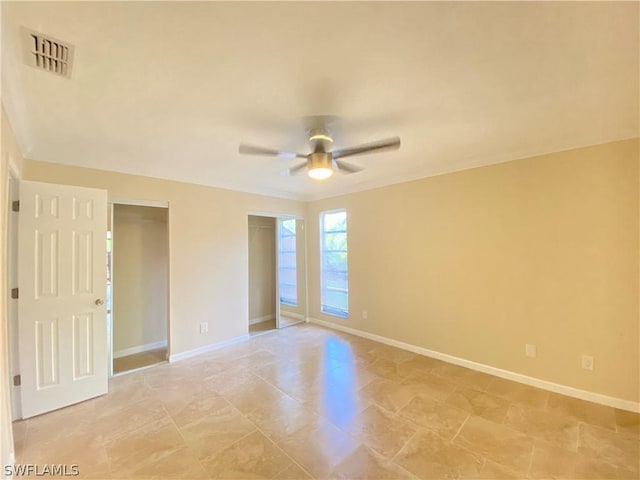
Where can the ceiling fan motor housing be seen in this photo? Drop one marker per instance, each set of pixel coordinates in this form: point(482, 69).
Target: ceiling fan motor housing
point(319, 160)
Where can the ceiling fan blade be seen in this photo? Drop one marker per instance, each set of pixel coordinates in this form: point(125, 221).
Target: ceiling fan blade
point(253, 150)
point(345, 167)
point(380, 145)
point(297, 168)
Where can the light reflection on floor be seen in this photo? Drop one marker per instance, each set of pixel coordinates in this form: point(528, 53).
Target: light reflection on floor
point(339, 401)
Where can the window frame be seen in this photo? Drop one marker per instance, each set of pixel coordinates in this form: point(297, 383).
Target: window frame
point(329, 310)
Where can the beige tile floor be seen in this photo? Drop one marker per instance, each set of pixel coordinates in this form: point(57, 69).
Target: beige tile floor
point(139, 360)
point(262, 327)
point(267, 325)
point(306, 402)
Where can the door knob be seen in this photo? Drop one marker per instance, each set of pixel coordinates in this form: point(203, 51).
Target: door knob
point(99, 302)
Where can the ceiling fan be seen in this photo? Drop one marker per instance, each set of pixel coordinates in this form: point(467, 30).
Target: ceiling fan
point(321, 162)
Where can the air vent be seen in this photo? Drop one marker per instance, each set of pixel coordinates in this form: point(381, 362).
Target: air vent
point(47, 53)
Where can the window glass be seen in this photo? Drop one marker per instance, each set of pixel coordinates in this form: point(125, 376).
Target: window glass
point(334, 279)
point(287, 262)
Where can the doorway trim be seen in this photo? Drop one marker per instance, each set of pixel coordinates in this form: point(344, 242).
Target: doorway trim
point(139, 202)
point(13, 194)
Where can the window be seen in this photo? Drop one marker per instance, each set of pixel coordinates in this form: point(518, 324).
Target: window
point(334, 278)
point(287, 262)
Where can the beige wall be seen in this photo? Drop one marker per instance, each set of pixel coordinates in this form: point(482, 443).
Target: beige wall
point(208, 244)
point(478, 263)
point(262, 268)
point(140, 270)
point(473, 264)
point(9, 155)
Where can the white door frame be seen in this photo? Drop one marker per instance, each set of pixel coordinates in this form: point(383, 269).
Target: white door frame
point(140, 203)
point(285, 216)
point(13, 194)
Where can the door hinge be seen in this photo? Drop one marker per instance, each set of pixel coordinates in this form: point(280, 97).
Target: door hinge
point(15, 206)
point(15, 293)
point(17, 380)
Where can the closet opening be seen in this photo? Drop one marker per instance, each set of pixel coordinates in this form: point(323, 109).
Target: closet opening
point(262, 274)
point(277, 272)
point(137, 286)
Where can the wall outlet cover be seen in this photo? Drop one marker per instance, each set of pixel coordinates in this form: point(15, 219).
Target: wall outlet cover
point(587, 362)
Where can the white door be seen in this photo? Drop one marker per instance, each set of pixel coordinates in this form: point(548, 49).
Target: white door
point(62, 285)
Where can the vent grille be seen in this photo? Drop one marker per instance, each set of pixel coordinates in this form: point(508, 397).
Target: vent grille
point(47, 53)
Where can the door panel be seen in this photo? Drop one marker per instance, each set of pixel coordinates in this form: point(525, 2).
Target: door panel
point(61, 272)
point(47, 353)
point(46, 264)
point(82, 263)
point(83, 346)
point(291, 282)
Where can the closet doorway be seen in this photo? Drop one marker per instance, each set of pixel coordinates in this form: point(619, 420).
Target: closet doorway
point(137, 286)
point(277, 272)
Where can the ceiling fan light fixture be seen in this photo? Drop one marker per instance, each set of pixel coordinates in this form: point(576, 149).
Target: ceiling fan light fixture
point(320, 173)
point(323, 161)
point(320, 165)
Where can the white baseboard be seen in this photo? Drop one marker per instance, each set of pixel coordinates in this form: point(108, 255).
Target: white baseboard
point(297, 316)
point(207, 348)
point(264, 318)
point(139, 349)
point(498, 372)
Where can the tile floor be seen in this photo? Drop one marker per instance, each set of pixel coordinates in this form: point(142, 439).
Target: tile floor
point(267, 325)
point(139, 360)
point(307, 402)
point(262, 327)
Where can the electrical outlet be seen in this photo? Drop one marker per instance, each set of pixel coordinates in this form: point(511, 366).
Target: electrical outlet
point(204, 327)
point(530, 351)
point(587, 362)
point(365, 315)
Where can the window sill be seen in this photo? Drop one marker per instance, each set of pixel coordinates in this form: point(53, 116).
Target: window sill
point(344, 316)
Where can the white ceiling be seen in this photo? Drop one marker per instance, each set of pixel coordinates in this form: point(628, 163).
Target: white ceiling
point(169, 90)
